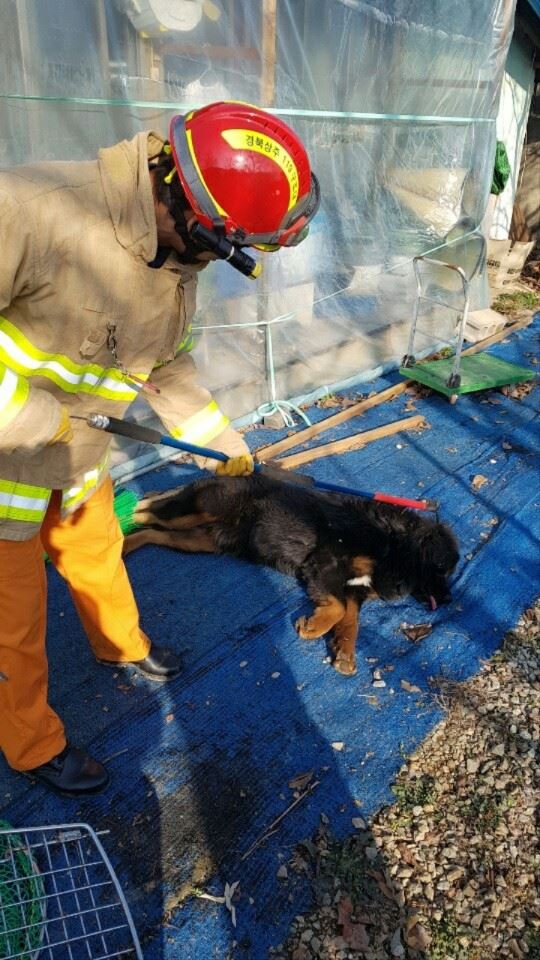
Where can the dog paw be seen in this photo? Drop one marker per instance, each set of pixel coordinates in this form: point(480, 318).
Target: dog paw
point(345, 665)
point(305, 630)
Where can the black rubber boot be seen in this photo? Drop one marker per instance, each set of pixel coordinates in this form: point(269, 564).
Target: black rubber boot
point(159, 665)
point(71, 773)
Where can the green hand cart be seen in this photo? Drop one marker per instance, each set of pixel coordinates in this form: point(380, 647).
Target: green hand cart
point(456, 374)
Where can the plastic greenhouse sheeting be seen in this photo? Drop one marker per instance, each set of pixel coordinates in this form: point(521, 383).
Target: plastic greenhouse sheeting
point(396, 101)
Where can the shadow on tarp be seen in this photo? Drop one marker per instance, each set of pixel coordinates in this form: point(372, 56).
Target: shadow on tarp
point(201, 767)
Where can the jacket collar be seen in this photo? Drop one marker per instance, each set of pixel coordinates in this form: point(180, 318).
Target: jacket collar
point(128, 191)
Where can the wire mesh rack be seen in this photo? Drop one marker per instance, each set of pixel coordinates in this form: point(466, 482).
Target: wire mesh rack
point(60, 898)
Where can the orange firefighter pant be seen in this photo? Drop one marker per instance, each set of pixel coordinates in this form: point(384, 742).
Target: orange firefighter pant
point(86, 549)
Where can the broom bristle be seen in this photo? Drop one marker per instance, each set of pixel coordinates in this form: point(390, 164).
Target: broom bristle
point(125, 502)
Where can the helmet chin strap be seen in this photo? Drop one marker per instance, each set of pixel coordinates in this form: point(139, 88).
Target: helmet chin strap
point(198, 239)
point(193, 247)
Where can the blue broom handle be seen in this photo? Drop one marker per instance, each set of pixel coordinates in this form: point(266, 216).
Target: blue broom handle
point(168, 441)
point(149, 435)
point(319, 484)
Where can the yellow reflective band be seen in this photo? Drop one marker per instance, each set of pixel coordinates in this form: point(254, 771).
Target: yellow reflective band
point(202, 426)
point(21, 501)
point(267, 247)
point(189, 139)
point(21, 356)
point(13, 395)
point(259, 143)
point(72, 497)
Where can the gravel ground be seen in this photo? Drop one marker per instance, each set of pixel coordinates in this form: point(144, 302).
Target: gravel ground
point(448, 872)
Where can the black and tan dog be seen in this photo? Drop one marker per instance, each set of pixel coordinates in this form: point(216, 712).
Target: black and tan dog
point(344, 549)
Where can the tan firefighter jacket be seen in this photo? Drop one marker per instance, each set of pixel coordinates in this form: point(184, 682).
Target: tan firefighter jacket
point(75, 287)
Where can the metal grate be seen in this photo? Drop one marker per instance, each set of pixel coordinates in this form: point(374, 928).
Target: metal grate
point(60, 898)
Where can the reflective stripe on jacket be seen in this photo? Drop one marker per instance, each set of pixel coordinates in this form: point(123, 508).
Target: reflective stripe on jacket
point(76, 241)
point(25, 359)
point(13, 394)
point(25, 503)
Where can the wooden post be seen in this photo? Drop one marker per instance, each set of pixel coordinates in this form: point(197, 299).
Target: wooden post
point(268, 53)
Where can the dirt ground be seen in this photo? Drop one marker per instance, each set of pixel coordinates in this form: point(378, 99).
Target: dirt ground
point(450, 871)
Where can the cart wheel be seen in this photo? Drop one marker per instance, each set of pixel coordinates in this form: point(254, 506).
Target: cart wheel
point(454, 398)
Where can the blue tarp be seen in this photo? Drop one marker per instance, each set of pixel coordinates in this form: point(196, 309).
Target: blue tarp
point(201, 766)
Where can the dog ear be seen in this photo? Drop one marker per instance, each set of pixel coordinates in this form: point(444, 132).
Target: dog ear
point(439, 548)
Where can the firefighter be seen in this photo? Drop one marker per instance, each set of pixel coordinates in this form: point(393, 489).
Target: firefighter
point(97, 294)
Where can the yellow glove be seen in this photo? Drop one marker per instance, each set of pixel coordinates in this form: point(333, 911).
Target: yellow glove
point(236, 466)
point(64, 433)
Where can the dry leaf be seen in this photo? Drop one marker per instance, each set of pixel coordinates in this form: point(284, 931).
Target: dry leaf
point(228, 893)
point(406, 855)
point(478, 481)
point(416, 936)
point(383, 884)
point(301, 781)
point(337, 745)
point(416, 631)
point(517, 391)
point(169, 717)
point(355, 936)
point(344, 910)
point(328, 401)
point(354, 933)
point(410, 687)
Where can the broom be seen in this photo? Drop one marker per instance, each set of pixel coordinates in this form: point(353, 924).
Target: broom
point(126, 500)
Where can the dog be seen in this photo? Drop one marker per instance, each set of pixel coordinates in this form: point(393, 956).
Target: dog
point(345, 549)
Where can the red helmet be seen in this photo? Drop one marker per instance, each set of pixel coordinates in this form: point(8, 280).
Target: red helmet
point(245, 172)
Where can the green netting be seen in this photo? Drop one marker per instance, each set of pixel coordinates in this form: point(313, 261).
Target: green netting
point(21, 900)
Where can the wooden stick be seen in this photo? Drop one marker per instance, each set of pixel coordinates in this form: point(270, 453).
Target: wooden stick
point(275, 823)
point(355, 442)
point(266, 453)
point(356, 409)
